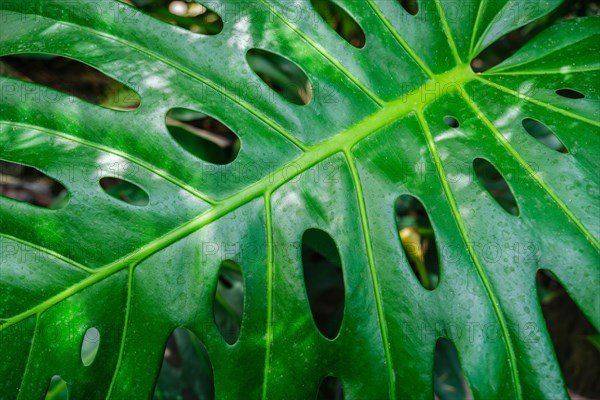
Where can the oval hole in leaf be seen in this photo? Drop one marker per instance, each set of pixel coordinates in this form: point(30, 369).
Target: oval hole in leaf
point(29, 185)
point(448, 379)
point(187, 370)
point(89, 346)
point(418, 240)
point(203, 136)
point(71, 77)
point(282, 75)
point(341, 22)
point(324, 281)
point(228, 304)
point(330, 389)
point(570, 94)
point(493, 181)
point(125, 191)
point(572, 335)
point(544, 135)
point(411, 6)
point(451, 121)
point(191, 15)
point(57, 390)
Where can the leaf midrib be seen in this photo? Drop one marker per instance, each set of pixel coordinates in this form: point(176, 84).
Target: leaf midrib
point(345, 140)
point(247, 106)
point(341, 143)
point(313, 155)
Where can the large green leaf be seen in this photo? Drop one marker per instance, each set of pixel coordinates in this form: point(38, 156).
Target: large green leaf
point(374, 130)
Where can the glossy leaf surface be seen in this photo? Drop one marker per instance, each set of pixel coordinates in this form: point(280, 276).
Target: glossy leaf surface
point(374, 130)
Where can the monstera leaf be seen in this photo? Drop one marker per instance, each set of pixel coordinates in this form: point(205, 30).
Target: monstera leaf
point(402, 117)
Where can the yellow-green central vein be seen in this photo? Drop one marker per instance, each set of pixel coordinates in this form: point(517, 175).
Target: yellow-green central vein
point(315, 154)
